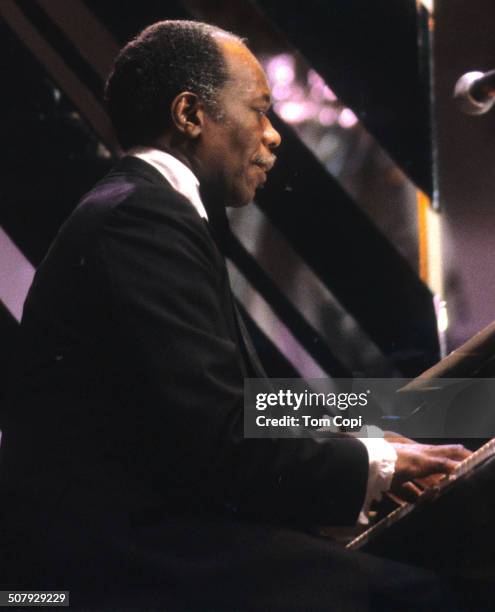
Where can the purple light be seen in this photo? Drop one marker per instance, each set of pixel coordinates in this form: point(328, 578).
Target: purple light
point(281, 92)
point(316, 92)
point(327, 116)
point(295, 112)
point(347, 118)
point(298, 93)
point(314, 78)
point(328, 94)
point(299, 101)
point(280, 69)
point(16, 276)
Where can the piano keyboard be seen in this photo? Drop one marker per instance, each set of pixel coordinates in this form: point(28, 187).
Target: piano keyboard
point(465, 467)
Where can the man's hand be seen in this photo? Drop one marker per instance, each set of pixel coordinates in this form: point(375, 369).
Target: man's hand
point(427, 463)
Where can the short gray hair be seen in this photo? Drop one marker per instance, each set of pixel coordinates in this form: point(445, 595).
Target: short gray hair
point(152, 69)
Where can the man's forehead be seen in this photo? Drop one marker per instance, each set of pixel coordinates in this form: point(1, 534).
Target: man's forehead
point(244, 69)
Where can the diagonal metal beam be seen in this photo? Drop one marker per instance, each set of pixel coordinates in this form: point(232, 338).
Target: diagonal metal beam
point(16, 276)
point(309, 295)
point(273, 328)
point(79, 94)
point(93, 41)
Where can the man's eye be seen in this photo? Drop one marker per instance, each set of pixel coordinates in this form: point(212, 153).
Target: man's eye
point(261, 112)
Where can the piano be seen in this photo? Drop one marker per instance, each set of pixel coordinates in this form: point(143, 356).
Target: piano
point(451, 527)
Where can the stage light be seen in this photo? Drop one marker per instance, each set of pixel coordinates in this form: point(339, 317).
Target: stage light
point(295, 112)
point(280, 69)
point(327, 116)
point(347, 119)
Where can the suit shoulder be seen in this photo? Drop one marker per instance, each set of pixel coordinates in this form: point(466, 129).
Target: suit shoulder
point(127, 198)
point(116, 193)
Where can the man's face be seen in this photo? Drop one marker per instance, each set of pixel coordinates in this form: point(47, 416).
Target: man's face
point(236, 149)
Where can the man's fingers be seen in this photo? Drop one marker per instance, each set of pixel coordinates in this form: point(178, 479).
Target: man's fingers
point(447, 457)
point(441, 465)
point(410, 491)
point(423, 460)
point(429, 481)
point(453, 451)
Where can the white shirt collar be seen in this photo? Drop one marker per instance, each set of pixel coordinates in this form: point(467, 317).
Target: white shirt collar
point(175, 172)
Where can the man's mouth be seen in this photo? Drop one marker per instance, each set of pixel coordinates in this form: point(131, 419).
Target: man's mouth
point(265, 162)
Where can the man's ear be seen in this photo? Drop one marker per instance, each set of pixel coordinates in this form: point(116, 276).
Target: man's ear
point(188, 114)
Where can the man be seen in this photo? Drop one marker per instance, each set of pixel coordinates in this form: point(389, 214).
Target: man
point(128, 477)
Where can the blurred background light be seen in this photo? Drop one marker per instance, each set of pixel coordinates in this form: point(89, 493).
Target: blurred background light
point(347, 119)
point(280, 69)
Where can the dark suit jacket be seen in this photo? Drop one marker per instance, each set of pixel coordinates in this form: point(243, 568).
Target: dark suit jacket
point(127, 419)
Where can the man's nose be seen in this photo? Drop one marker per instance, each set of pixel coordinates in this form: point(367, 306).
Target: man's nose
point(271, 138)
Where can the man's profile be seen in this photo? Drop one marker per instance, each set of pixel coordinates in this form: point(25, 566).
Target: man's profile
point(128, 476)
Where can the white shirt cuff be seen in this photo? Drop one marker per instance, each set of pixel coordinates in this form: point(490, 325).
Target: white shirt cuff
point(382, 459)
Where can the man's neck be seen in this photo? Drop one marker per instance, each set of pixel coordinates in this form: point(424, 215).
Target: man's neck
point(167, 145)
point(213, 204)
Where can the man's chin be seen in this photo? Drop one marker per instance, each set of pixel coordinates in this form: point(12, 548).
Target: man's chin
point(240, 200)
point(238, 204)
